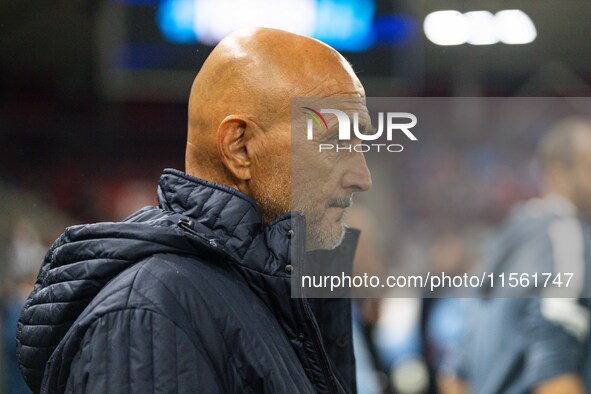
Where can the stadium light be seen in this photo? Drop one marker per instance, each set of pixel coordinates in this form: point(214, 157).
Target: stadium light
point(515, 27)
point(214, 19)
point(450, 27)
point(482, 28)
point(447, 28)
point(344, 24)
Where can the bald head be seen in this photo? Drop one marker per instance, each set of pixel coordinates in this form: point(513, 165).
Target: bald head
point(563, 141)
point(239, 131)
point(565, 155)
point(254, 74)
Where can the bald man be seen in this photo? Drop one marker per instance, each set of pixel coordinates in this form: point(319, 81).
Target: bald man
point(540, 344)
point(194, 296)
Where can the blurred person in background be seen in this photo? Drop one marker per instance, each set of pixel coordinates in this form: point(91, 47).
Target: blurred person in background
point(195, 295)
point(444, 313)
point(539, 344)
point(398, 342)
point(369, 260)
point(25, 251)
point(415, 335)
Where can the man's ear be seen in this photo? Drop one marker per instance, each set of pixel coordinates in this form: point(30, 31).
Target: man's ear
point(232, 138)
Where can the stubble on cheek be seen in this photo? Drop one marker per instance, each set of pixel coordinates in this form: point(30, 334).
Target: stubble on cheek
point(272, 193)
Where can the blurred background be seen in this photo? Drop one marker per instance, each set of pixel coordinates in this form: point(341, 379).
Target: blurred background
point(93, 106)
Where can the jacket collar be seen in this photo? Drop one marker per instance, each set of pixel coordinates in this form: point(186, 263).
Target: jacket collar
point(231, 222)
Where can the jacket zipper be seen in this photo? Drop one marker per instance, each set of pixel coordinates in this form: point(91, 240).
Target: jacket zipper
point(187, 226)
point(327, 371)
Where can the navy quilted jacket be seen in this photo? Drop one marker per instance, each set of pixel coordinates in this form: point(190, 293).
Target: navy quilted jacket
point(193, 296)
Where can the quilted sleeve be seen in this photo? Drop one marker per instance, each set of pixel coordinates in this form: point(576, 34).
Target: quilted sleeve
point(140, 351)
point(559, 338)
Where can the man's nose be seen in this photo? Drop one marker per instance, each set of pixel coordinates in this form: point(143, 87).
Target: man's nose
point(357, 176)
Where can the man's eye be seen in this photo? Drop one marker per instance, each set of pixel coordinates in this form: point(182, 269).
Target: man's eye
point(340, 142)
point(332, 138)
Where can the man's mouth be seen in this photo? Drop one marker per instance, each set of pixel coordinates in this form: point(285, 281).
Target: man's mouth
point(339, 203)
